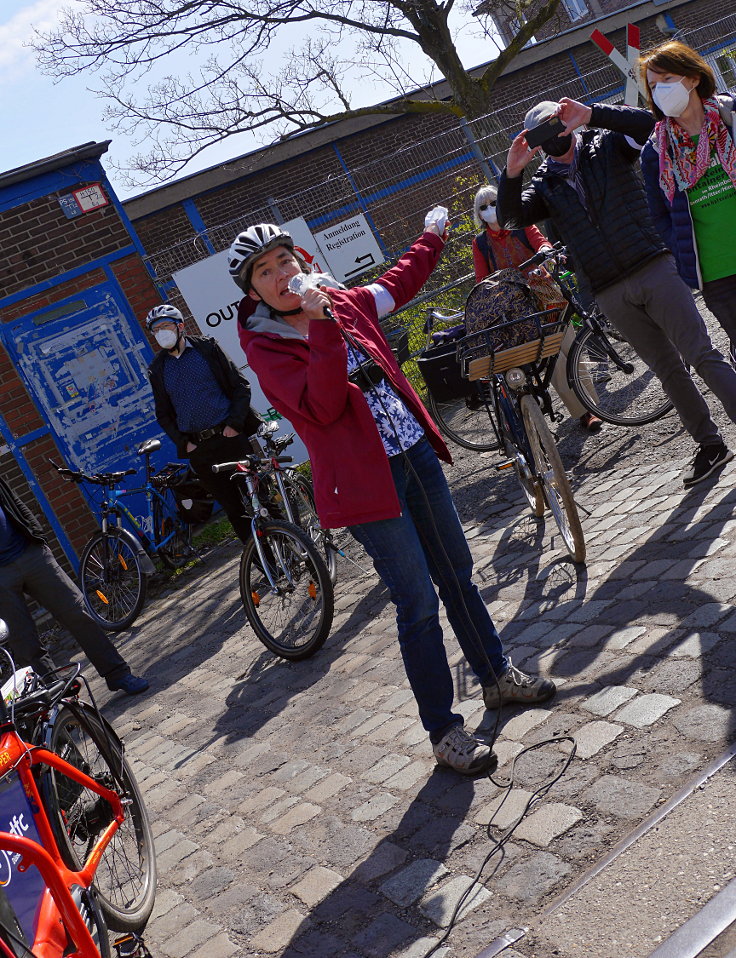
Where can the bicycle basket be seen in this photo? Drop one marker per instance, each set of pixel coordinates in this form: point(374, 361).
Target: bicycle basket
point(441, 371)
point(485, 353)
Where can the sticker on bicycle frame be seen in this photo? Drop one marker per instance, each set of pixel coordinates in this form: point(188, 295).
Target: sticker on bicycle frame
point(24, 889)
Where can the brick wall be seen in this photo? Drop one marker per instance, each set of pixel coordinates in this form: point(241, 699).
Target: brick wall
point(39, 242)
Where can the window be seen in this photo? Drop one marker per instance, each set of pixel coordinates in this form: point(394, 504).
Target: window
point(576, 9)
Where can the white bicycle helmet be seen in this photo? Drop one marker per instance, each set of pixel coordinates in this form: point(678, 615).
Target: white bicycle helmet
point(249, 245)
point(166, 313)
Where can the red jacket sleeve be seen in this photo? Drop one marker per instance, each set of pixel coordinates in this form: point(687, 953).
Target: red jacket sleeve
point(404, 280)
point(308, 380)
point(536, 238)
point(479, 263)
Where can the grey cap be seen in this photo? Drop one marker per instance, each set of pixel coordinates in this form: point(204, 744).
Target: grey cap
point(539, 113)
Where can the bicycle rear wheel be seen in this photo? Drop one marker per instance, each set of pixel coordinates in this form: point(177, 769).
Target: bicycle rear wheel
point(301, 495)
point(293, 618)
point(465, 421)
point(629, 396)
point(112, 580)
point(553, 477)
point(167, 522)
point(125, 879)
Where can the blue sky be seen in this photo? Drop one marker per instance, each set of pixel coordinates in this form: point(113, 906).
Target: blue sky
point(42, 117)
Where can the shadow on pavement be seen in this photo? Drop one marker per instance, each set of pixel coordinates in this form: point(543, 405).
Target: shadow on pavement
point(369, 914)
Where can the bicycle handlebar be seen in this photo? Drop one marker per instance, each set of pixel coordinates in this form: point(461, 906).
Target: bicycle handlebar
point(544, 254)
point(97, 479)
point(248, 463)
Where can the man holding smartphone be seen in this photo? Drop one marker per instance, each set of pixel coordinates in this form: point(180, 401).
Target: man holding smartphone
point(589, 188)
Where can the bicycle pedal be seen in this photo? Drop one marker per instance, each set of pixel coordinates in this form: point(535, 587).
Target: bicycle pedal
point(504, 465)
point(131, 946)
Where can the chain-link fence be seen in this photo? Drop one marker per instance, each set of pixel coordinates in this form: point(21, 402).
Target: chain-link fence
point(395, 191)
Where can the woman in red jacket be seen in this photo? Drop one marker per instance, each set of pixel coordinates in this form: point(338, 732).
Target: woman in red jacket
point(322, 360)
point(496, 248)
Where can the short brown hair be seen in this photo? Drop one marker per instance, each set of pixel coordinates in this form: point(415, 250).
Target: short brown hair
point(682, 60)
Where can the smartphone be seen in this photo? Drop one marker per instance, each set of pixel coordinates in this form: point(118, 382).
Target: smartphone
point(552, 126)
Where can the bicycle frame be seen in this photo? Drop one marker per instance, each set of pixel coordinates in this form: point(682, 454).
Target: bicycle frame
point(112, 504)
point(57, 901)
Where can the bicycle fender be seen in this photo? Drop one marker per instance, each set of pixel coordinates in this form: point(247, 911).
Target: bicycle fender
point(79, 710)
point(147, 567)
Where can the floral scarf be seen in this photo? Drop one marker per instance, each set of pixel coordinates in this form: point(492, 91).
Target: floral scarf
point(681, 162)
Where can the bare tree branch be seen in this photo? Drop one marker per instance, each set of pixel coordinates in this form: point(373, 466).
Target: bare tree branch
point(182, 75)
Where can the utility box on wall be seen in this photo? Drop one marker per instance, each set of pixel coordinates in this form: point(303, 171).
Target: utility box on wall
point(73, 353)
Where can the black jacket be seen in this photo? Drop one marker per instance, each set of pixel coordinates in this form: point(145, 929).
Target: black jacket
point(614, 236)
point(19, 513)
point(230, 380)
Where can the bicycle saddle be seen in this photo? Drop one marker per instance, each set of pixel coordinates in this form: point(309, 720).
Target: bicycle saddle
point(150, 445)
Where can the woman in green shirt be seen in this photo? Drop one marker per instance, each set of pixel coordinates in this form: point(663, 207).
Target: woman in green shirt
point(689, 167)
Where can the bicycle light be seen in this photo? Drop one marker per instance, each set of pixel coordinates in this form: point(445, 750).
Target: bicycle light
point(516, 378)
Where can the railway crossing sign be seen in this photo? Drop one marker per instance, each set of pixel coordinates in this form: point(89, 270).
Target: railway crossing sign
point(626, 64)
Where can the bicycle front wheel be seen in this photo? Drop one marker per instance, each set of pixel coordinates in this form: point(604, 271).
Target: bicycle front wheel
point(301, 495)
point(292, 616)
point(112, 580)
point(553, 478)
point(465, 421)
point(613, 382)
point(125, 879)
point(168, 525)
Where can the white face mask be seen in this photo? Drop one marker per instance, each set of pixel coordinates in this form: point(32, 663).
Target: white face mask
point(166, 338)
point(672, 98)
point(489, 216)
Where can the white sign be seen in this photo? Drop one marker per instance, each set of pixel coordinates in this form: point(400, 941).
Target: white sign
point(213, 298)
point(350, 248)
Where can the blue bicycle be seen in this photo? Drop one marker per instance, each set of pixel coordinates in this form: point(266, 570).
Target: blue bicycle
point(117, 561)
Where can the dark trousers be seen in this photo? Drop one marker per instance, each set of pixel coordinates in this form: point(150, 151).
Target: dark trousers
point(36, 573)
point(219, 449)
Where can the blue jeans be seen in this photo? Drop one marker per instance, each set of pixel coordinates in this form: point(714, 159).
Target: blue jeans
point(426, 544)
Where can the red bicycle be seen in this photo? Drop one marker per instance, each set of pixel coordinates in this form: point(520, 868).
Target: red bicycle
point(76, 848)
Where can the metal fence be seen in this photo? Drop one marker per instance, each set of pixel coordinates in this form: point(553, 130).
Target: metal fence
point(395, 191)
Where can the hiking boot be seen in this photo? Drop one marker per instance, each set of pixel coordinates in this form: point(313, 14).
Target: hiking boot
point(517, 688)
point(464, 753)
point(707, 459)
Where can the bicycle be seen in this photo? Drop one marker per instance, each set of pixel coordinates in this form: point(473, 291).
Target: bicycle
point(517, 380)
point(74, 813)
point(295, 496)
point(117, 561)
point(606, 374)
point(285, 587)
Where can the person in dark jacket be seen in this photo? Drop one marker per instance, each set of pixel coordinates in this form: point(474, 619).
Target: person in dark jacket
point(202, 403)
point(28, 567)
point(589, 188)
point(689, 167)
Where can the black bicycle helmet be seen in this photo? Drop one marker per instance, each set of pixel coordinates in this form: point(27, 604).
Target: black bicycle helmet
point(166, 313)
point(249, 245)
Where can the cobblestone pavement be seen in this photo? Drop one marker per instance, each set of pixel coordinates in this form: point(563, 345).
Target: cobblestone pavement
point(297, 808)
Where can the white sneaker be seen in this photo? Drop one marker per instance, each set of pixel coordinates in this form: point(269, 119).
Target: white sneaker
point(464, 753)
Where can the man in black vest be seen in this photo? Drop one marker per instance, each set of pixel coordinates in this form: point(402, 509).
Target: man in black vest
point(202, 403)
point(28, 567)
point(589, 188)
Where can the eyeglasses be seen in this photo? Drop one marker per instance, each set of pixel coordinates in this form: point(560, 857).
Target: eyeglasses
point(484, 206)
